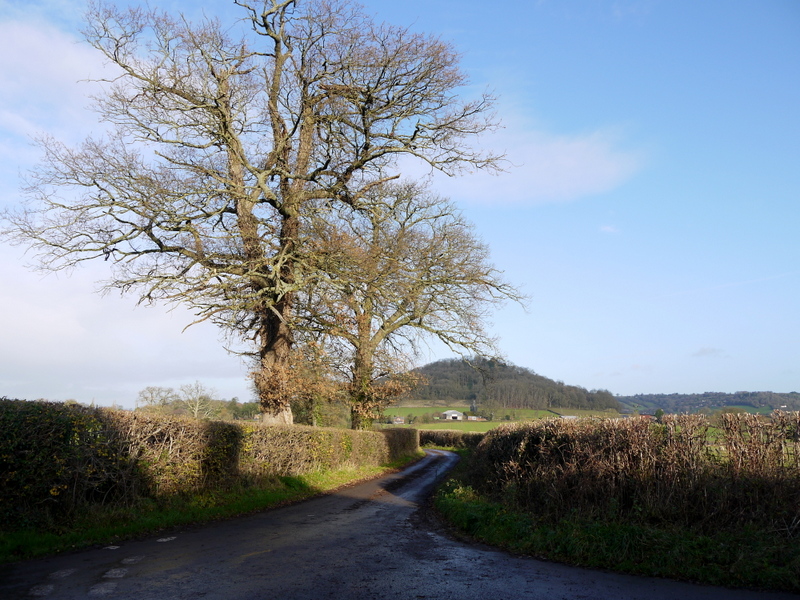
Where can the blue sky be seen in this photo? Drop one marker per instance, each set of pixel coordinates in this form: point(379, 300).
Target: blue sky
point(651, 209)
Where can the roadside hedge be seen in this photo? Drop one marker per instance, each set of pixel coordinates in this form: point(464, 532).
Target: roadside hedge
point(679, 472)
point(450, 438)
point(57, 459)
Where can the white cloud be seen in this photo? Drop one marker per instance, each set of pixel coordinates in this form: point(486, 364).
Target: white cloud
point(546, 168)
point(61, 340)
point(708, 352)
point(42, 80)
point(610, 229)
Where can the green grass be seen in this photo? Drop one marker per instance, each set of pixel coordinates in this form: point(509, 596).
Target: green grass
point(577, 412)
point(747, 557)
point(106, 525)
point(481, 426)
point(418, 411)
point(760, 410)
point(516, 414)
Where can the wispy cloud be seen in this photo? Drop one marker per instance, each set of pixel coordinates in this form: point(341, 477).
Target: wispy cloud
point(709, 352)
point(609, 229)
point(41, 75)
point(547, 167)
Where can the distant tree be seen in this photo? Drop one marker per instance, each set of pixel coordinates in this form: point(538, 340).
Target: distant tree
point(156, 399)
point(199, 401)
point(223, 144)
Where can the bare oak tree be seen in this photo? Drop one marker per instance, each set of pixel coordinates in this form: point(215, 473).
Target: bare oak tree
point(404, 268)
point(156, 399)
point(220, 145)
point(199, 401)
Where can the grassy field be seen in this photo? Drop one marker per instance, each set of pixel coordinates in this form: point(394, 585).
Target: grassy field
point(514, 416)
point(501, 415)
point(481, 426)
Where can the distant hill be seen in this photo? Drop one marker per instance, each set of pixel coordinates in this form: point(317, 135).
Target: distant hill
point(710, 401)
point(486, 384)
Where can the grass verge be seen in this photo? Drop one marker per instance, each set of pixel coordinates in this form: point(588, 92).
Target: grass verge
point(745, 558)
point(106, 525)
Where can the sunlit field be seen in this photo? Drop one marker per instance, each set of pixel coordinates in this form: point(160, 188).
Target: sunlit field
point(502, 416)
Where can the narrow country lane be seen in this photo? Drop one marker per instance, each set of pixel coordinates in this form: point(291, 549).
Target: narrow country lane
point(368, 541)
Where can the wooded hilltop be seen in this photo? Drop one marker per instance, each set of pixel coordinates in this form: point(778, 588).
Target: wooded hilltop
point(485, 383)
point(710, 401)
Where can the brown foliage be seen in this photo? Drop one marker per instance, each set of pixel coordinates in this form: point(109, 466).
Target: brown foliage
point(450, 438)
point(673, 472)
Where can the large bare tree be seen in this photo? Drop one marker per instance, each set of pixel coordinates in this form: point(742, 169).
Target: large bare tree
point(221, 144)
point(404, 268)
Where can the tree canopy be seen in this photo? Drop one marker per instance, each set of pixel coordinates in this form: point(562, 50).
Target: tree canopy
point(223, 145)
point(403, 268)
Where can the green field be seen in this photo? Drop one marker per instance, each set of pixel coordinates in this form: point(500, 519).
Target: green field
point(502, 416)
point(418, 411)
point(480, 426)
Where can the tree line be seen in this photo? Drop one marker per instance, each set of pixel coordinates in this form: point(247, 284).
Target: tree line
point(194, 400)
point(487, 383)
point(707, 401)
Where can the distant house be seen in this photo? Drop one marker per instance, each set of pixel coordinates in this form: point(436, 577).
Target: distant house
point(452, 415)
point(398, 421)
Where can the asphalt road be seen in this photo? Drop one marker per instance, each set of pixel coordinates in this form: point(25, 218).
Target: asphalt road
point(373, 540)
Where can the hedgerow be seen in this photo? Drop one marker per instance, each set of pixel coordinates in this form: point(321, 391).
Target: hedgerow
point(679, 472)
point(58, 459)
point(450, 438)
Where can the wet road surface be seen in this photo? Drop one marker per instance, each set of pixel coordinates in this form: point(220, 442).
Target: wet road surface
point(368, 541)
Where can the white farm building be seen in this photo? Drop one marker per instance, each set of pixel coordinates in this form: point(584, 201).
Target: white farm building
point(452, 415)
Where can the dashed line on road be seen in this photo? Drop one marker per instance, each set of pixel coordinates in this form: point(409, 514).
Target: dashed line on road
point(132, 560)
point(62, 573)
point(41, 590)
point(166, 539)
point(115, 574)
point(103, 589)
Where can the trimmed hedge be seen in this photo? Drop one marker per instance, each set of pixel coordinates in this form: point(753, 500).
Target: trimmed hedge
point(57, 459)
point(678, 472)
point(450, 438)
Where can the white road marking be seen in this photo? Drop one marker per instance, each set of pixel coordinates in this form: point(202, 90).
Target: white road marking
point(62, 573)
point(132, 560)
point(111, 548)
point(41, 590)
point(115, 574)
point(166, 539)
point(103, 589)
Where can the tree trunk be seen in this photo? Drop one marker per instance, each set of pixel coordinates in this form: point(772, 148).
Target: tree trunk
point(271, 377)
point(359, 420)
point(275, 415)
point(362, 404)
